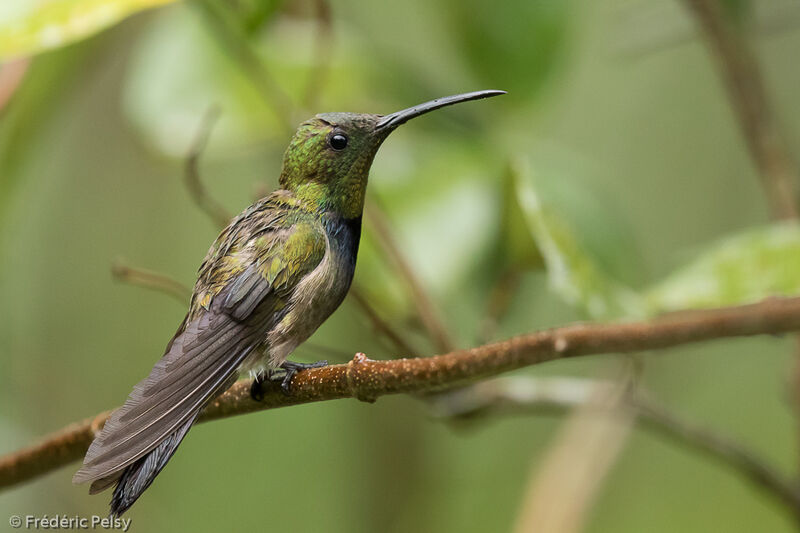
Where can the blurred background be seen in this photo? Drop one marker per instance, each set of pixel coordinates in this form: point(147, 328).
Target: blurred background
point(612, 182)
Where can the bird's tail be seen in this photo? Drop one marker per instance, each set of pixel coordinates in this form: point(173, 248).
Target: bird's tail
point(135, 478)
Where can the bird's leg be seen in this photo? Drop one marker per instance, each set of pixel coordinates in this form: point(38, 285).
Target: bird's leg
point(291, 368)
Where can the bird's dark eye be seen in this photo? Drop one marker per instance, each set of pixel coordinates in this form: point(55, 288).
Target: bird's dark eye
point(338, 141)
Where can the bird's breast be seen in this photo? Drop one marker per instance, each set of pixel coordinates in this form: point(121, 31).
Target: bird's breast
point(320, 292)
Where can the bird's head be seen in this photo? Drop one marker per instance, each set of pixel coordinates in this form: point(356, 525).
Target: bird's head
point(328, 160)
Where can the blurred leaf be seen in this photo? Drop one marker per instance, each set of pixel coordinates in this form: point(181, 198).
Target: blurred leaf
point(41, 26)
point(741, 269)
point(516, 239)
point(573, 274)
point(25, 122)
point(178, 70)
point(176, 73)
point(253, 14)
point(515, 45)
point(578, 187)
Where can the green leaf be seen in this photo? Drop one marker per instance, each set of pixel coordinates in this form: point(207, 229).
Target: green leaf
point(176, 73)
point(573, 273)
point(253, 14)
point(741, 269)
point(28, 27)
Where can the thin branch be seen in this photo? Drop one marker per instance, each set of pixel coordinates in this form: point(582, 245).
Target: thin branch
point(220, 216)
point(165, 284)
point(719, 447)
point(233, 40)
point(643, 32)
point(215, 211)
point(769, 149)
point(425, 307)
point(740, 70)
point(367, 380)
point(151, 280)
point(499, 301)
point(381, 326)
point(566, 480)
point(524, 395)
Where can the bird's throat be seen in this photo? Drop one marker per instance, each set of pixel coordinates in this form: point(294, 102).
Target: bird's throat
point(344, 197)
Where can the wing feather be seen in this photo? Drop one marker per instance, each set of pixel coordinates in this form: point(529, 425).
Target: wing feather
point(201, 360)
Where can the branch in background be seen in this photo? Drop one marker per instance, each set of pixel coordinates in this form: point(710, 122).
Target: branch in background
point(379, 324)
point(234, 41)
point(323, 50)
point(739, 68)
point(748, 97)
point(220, 216)
point(172, 287)
point(425, 307)
point(215, 211)
point(500, 298)
point(644, 24)
point(151, 280)
point(525, 396)
point(565, 482)
point(367, 380)
point(237, 44)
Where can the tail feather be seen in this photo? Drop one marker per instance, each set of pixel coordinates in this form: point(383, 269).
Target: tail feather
point(137, 477)
point(201, 361)
point(139, 438)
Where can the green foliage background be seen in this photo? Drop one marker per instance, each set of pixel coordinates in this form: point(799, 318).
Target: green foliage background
point(613, 176)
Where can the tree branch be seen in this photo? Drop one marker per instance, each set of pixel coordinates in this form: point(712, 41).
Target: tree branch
point(204, 201)
point(379, 324)
point(425, 307)
point(367, 380)
point(231, 39)
point(151, 280)
point(739, 69)
point(526, 395)
point(768, 147)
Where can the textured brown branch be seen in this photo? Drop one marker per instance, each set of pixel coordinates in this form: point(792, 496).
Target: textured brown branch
point(367, 380)
point(740, 70)
point(527, 395)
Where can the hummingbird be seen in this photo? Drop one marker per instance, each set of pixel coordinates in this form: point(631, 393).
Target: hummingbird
point(271, 278)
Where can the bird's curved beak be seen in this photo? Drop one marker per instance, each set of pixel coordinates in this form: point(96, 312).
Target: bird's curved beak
point(390, 122)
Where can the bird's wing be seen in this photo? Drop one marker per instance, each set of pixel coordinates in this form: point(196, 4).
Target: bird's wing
point(252, 285)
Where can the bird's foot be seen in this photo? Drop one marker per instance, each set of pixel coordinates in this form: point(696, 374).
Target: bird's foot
point(257, 387)
point(290, 368)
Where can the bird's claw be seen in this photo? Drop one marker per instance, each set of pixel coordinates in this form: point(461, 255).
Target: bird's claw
point(290, 368)
point(257, 388)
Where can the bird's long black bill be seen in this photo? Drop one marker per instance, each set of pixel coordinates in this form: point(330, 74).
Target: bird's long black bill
point(400, 117)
